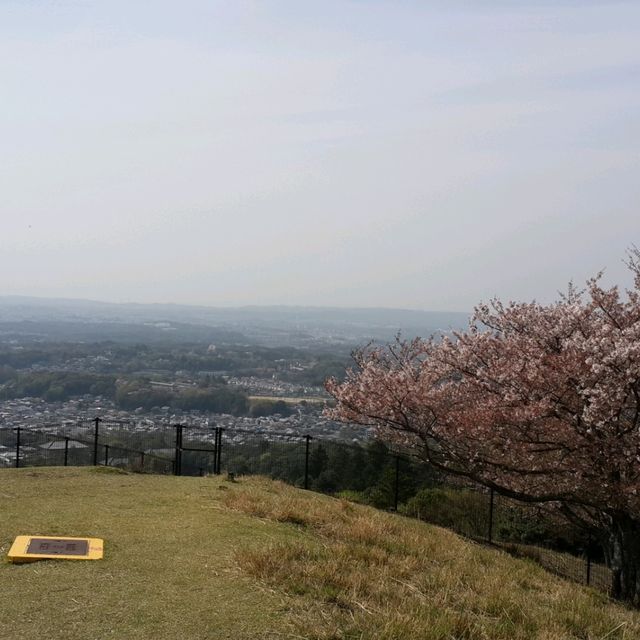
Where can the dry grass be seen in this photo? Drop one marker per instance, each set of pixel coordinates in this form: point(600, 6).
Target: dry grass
point(359, 573)
point(563, 564)
point(204, 559)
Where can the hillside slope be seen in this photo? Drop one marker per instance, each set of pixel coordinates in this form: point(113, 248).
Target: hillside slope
point(196, 558)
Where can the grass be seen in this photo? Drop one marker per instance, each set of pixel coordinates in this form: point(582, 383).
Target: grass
point(362, 574)
point(168, 572)
point(201, 558)
point(563, 564)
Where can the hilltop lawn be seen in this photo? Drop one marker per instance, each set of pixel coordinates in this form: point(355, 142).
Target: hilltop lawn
point(169, 570)
point(202, 558)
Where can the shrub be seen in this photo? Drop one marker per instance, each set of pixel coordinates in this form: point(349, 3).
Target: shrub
point(463, 510)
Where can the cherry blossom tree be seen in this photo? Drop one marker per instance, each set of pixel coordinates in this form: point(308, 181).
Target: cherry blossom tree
point(539, 402)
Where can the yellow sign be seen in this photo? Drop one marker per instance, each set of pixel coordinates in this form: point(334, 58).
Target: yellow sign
point(32, 548)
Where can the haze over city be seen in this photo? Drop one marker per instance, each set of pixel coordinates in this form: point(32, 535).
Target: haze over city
point(415, 155)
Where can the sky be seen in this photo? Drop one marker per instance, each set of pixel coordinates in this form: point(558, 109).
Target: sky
point(378, 153)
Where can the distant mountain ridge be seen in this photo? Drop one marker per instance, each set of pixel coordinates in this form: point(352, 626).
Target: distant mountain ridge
point(256, 324)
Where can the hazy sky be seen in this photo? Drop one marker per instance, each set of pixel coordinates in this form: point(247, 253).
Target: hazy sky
point(355, 153)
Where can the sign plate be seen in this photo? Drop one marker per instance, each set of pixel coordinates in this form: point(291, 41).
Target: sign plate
point(32, 548)
point(51, 546)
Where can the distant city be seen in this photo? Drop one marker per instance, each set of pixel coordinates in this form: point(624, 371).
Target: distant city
point(257, 369)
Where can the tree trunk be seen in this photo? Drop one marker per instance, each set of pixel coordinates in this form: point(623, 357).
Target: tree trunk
point(623, 556)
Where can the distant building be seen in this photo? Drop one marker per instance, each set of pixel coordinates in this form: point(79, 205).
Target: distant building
point(57, 445)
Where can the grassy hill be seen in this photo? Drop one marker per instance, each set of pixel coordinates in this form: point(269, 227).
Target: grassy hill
point(202, 558)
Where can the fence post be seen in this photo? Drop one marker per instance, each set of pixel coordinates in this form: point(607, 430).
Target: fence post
point(490, 532)
point(396, 489)
point(97, 422)
point(589, 561)
point(142, 460)
point(215, 450)
point(66, 451)
point(177, 466)
point(106, 455)
point(219, 452)
point(17, 447)
point(306, 461)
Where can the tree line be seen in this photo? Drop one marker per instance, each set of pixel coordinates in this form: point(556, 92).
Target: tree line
point(128, 394)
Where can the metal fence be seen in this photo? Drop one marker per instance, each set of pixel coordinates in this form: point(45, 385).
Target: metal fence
point(368, 473)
